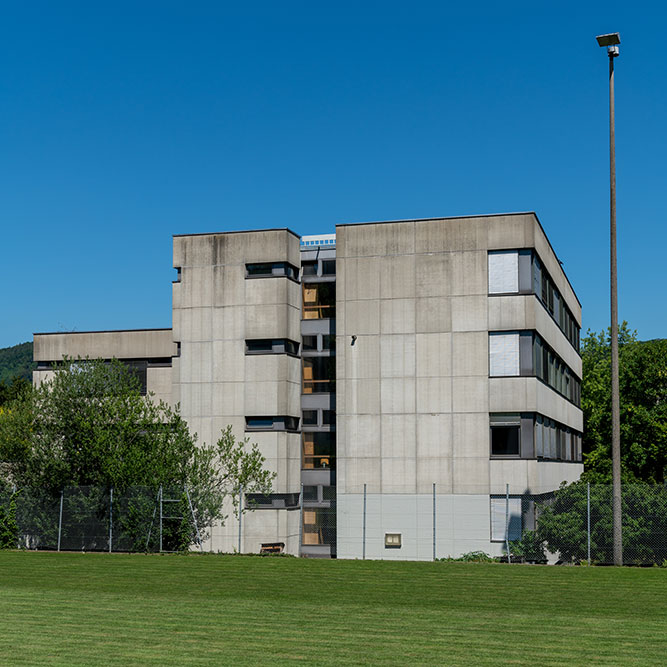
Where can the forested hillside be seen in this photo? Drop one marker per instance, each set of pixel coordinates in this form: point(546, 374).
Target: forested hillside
point(16, 361)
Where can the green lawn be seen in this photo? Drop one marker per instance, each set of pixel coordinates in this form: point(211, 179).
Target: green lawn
point(74, 609)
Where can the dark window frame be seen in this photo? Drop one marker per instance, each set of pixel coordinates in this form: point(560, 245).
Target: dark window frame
point(259, 346)
point(257, 270)
point(270, 424)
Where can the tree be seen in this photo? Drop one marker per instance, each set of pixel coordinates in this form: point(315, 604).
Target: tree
point(89, 425)
point(10, 391)
point(643, 396)
point(563, 523)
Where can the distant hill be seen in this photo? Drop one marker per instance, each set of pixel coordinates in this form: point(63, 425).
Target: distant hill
point(16, 361)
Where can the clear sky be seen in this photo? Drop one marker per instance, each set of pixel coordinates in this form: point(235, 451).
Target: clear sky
point(124, 123)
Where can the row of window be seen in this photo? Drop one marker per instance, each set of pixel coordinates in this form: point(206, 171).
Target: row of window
point(530, 436)
point(551, 298)
point(524, 353)
point(272, 270)
point(320, 418)
point(319, 343)
point(522, 272)
point(272, 423)
point(323, 267)
point(552, 370)
point(272, 346)
point(313, 343)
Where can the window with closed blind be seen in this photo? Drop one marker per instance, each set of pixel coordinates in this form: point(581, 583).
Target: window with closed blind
point(504, 272)
point(504, 354)
point(524, 353)
point(506, 518)
point(522, 272)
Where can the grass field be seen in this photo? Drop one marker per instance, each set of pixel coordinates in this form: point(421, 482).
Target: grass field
point(85, 609)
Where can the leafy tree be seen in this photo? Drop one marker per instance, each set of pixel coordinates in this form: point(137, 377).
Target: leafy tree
point(89, 425)
point(643, 403)
point(10, 391)
point(16, 361)
point(563, 523)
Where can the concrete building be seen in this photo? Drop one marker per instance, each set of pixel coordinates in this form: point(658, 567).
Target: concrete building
point(397, 376)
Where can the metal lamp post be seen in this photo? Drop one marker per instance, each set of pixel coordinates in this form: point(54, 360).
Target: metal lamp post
point(611, 41)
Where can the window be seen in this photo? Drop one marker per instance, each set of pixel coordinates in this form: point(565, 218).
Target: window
point(504, 272)
point(309, 268)
point(272, 423)
point(549, 368)
point(328, 267)
point(506, 519)
point(309, 417)
point(272, 270)
point(319, 343)
point(546, 291)
point(319, 450)
point(328, 417)
point(319, 526)
point(530, 435)
point(271, 346)
point(309, 343)
point(504, 354)
point(505, 435)
point(319, 418)
point(271, 501)
point(556, 442)
point(319, 301)
point(328, 342)
point(319, 375)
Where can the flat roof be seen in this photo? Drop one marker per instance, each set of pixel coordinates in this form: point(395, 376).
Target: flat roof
point(241, 231)
point(73, 333)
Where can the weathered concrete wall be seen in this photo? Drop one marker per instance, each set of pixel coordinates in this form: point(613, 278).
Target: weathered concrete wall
point(215, 309)
point(131, 344)
point(413, 388)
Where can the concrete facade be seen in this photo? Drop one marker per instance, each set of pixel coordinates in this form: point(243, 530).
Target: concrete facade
point(216, 308)
point(360, 365)
point(414, 391)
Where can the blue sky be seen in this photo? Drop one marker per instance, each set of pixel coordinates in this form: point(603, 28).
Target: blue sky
point(125, 123)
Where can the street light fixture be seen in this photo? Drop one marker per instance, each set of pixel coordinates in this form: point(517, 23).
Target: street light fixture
point(611, 41)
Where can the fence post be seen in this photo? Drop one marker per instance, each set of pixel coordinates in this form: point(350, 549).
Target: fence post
point(160, 495)
point(507, 522)
point(588, 518)
point(300, 521)
point(363, 538)
point(433, 520)
point(60, 520)
point(240, 514)
point(110, 518)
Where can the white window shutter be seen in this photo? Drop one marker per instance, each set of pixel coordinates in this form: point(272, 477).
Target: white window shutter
point(504, 354)
point(503, 272)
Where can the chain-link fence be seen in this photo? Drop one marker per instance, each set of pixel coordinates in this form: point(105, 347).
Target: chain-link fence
point(572, 524)
point(90, 518)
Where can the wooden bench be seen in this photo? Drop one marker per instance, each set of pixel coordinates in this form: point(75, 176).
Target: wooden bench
point(272, 548)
